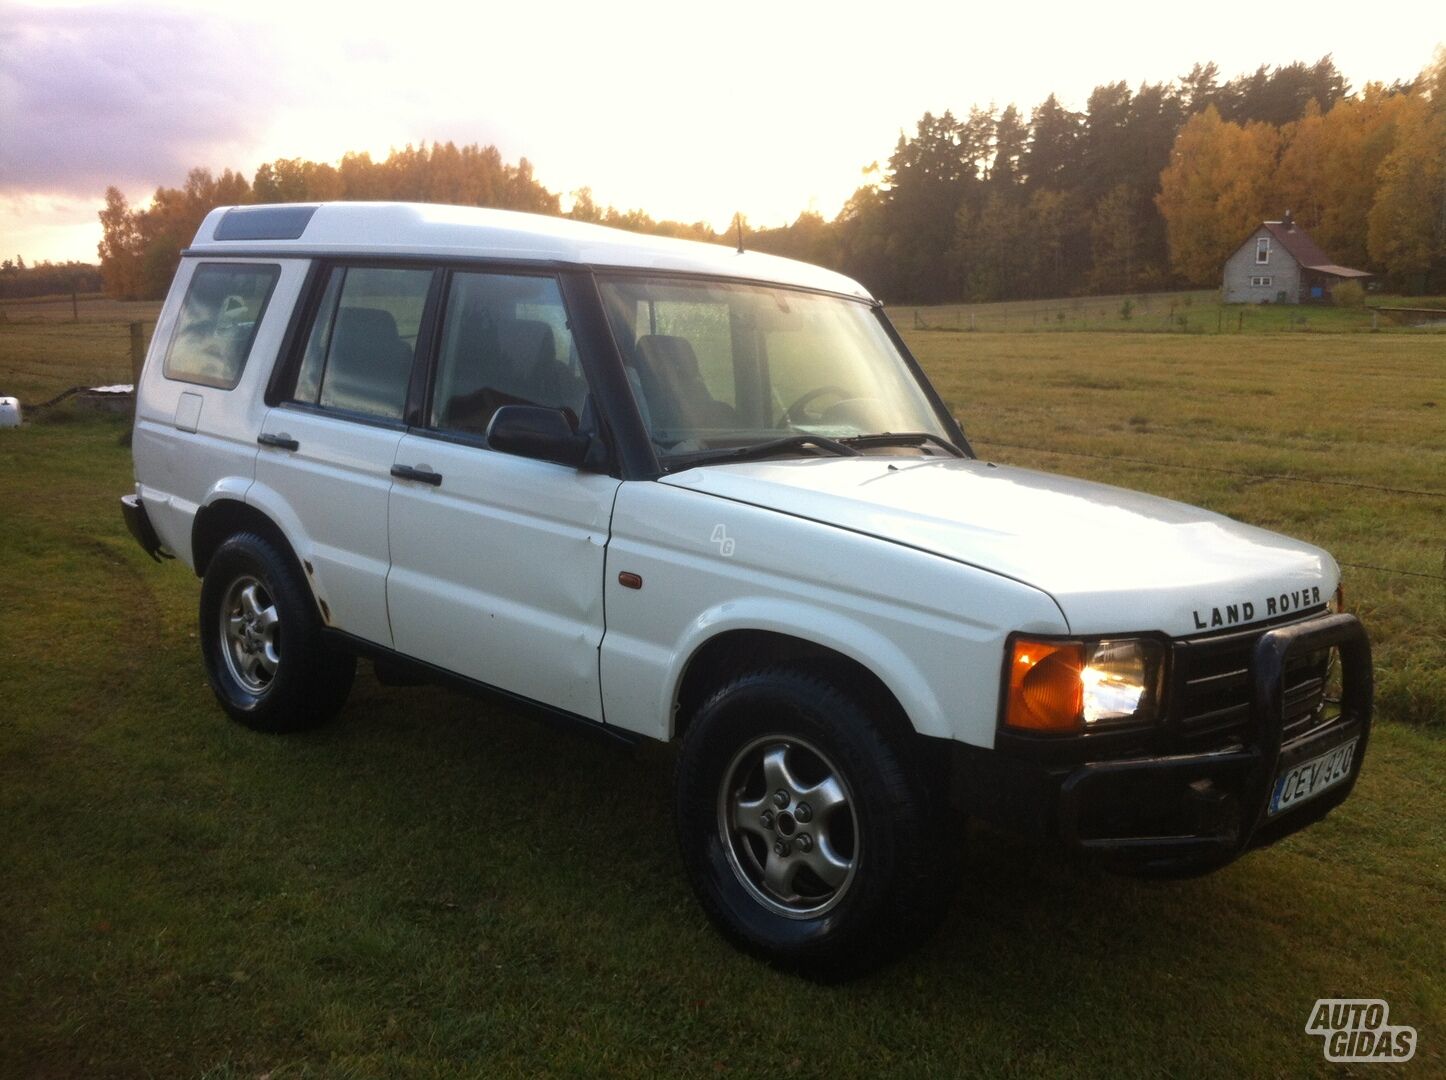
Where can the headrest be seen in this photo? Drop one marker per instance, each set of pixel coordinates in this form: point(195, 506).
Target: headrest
point(361, 326)
point(526, 341)
point(668, 355)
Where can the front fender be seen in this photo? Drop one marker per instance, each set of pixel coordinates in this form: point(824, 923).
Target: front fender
point(930, 629)
point(820, 626)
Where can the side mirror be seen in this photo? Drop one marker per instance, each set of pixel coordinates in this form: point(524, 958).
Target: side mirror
point(537, 432)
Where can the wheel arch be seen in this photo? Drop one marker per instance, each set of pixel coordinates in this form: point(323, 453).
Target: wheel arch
point(226, 517)
point(731, 653)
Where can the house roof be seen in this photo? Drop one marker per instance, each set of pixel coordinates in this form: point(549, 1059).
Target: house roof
point(1306, 251)
point(1339, 271)
point(460, 231)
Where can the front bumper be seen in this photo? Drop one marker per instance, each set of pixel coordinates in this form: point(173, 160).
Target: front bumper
point(1185, 813)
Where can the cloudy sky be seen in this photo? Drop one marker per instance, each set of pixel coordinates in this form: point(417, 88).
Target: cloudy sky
point(690, 111)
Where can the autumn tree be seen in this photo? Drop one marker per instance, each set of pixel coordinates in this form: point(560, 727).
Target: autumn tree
point(1406, 230)
point(1144, 188)
point(1214, 191)
point(120, 248)
point(1328, 169)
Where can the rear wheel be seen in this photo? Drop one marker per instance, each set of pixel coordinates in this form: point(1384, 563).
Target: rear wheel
point(261, 639)
point(809, 825)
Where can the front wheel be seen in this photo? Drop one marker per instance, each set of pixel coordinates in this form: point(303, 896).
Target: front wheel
point(261, 640)
point(809, 825)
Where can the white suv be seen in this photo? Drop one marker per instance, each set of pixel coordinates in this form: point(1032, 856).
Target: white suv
point(670, 490)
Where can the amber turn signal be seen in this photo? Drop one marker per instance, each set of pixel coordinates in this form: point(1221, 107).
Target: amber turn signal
point(1045, 690)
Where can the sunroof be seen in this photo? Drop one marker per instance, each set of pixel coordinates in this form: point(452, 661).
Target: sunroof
point(265, 222)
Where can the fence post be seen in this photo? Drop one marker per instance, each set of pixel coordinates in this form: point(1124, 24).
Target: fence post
point(138, 352)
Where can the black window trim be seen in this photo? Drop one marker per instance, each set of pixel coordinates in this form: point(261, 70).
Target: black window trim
point(631, 450)
point(629, 455)
point(202, 263)
point(287, 370)
point(420, 422)
point(351, 416)
point(422, 418)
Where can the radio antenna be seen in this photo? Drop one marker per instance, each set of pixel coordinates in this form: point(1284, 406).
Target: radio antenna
point(738, 221)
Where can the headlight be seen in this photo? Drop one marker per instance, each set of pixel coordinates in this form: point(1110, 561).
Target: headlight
point(1074, 686)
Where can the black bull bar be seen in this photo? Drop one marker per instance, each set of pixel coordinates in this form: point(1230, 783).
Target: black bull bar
point(1221, 800)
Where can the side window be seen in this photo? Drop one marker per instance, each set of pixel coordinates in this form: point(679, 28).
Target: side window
point(360, 347)
point(218, 322)
point(505, 341)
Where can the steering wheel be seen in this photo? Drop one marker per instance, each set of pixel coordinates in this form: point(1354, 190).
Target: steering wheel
point(795, 414)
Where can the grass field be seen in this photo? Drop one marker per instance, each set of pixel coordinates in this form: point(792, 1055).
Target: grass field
point(1197, 311)
point(433, 887)
point(43, 351)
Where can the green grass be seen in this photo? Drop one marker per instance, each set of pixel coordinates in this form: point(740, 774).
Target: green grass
point(436, 887)
point(1193, 312)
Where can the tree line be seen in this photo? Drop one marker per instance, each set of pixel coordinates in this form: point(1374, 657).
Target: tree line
point(1144, 189)
point(19, 281)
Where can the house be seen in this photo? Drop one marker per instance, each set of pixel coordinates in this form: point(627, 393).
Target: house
point(1280, 264)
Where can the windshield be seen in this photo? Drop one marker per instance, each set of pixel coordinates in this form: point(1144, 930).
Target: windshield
point(718, 366)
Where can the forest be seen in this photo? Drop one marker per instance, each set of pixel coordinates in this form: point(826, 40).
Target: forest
point(1144, 189)
point(19, 281)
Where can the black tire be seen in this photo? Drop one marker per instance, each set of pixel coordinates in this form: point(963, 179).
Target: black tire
point(895, 830)
point(300, 681)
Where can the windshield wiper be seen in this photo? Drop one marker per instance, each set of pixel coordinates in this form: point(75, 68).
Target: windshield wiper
point(765, 449)
point(904, 438)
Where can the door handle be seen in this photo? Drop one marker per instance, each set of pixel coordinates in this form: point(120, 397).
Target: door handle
point(281, 442)
point(422, 476)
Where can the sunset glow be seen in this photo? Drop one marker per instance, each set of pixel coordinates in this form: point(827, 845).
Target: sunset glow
point(690, 113)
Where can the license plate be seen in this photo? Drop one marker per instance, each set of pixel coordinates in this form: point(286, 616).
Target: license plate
point(1310, 778)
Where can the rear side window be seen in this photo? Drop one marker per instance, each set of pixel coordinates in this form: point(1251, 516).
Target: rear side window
point(359, 349)
point(223, 308)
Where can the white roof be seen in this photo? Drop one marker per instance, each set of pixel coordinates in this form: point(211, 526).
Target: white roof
point(427, 229)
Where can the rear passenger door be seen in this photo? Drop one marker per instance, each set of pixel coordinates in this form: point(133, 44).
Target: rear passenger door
point(328, 447)
point(497, 560)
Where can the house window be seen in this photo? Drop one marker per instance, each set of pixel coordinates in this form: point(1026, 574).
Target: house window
point(1262, 249)
point(1261, 280)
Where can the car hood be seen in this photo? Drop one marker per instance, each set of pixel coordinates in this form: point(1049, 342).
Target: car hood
point(1114, 560)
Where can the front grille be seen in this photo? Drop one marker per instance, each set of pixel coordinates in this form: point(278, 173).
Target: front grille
point(1210, 686)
